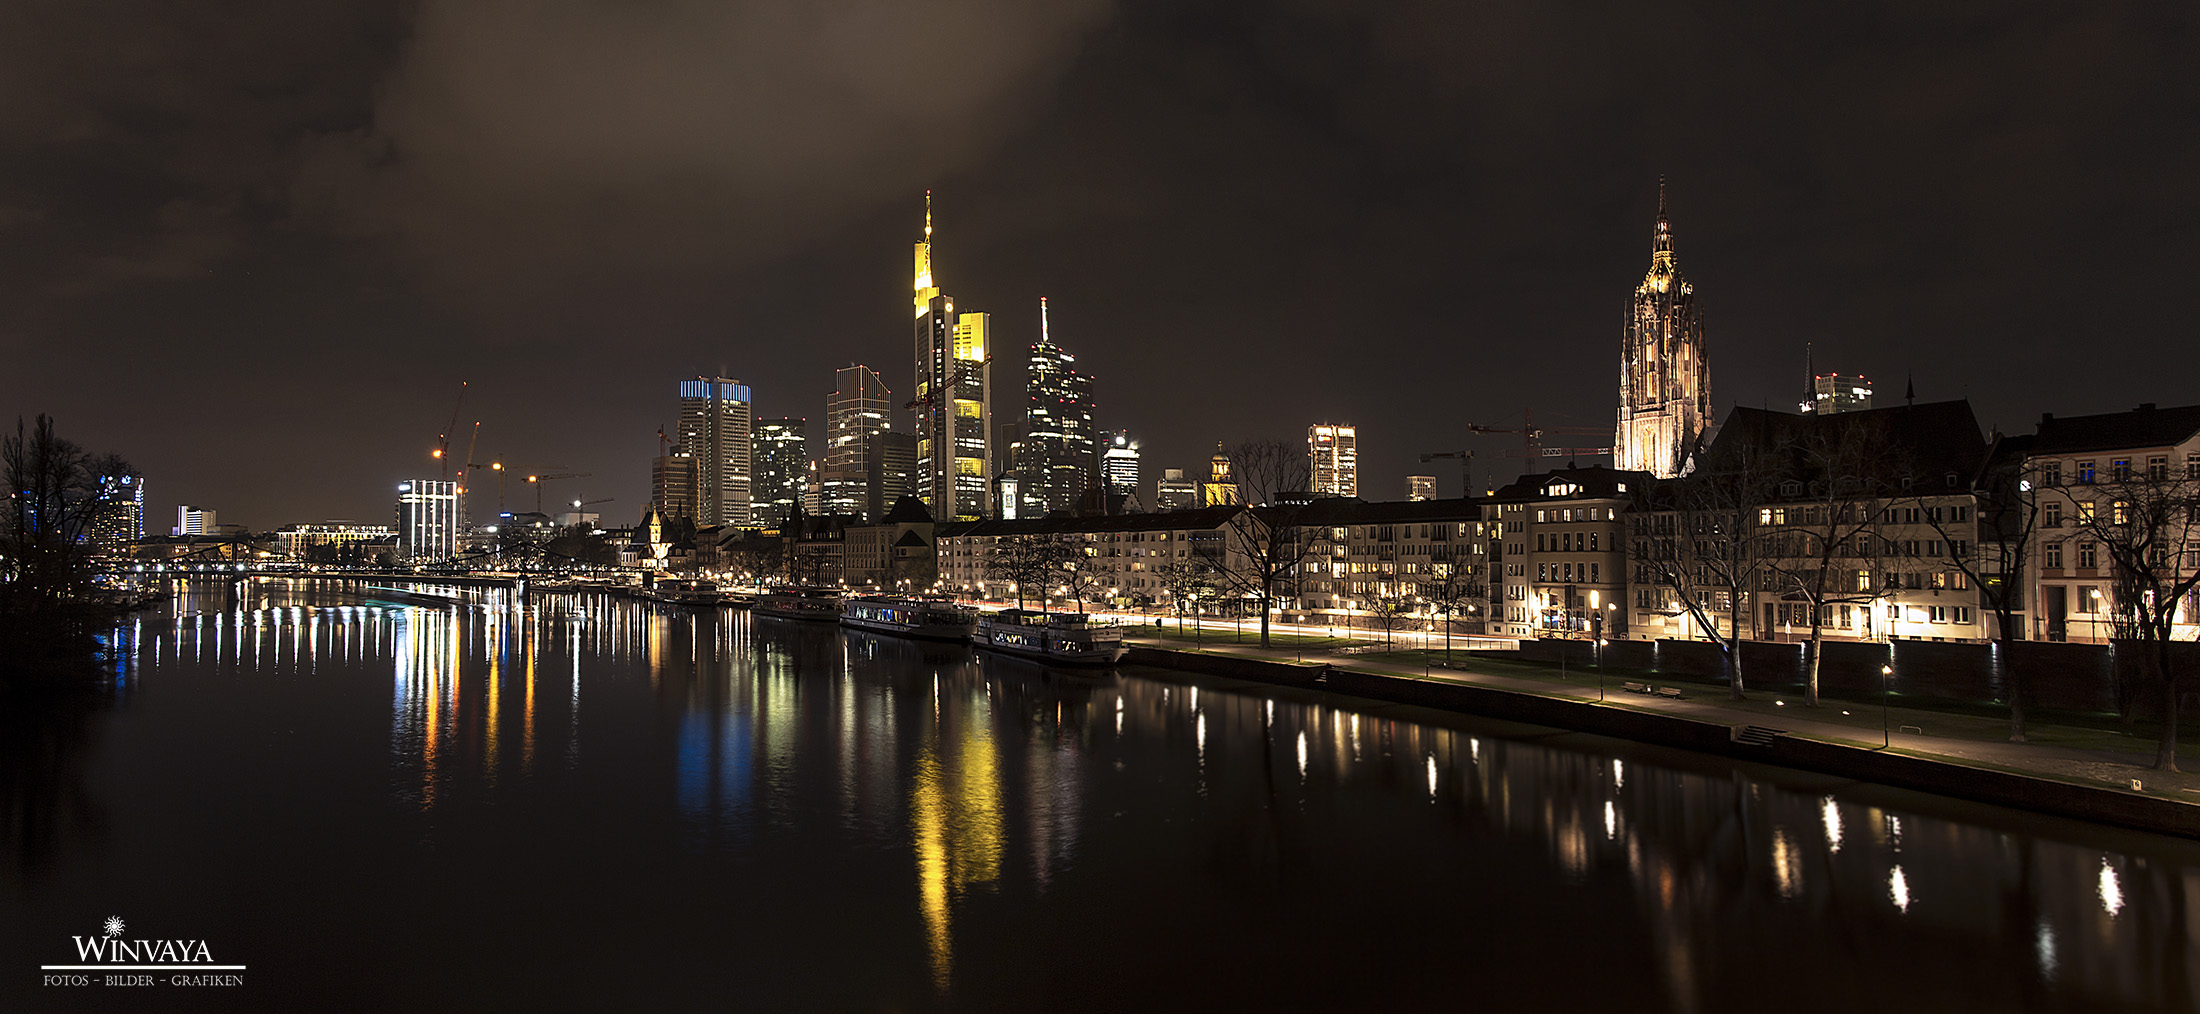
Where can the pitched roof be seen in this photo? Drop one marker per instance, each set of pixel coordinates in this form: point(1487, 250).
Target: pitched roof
point(908, 511)
point(1168, 521)
point(1594, 482)
point(1330, 511)
point(1934, 439)
point(2145, 426)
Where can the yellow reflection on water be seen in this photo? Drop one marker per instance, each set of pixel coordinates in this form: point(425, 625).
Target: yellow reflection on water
point(955, 822)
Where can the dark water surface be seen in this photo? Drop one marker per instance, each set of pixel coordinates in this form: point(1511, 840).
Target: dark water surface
point(376, 801)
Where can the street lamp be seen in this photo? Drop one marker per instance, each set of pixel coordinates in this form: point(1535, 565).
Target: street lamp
point(1886, 688)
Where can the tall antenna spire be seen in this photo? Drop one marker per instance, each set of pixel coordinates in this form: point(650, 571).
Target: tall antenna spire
point(928, 209)
point(1661, 240)
point(1043, 339)
point(1810, 381)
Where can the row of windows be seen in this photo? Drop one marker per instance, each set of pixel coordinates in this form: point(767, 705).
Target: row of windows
point(2085, 472)
point(1567, 572)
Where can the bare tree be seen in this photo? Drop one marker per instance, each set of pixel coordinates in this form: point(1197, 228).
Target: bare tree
point(47, 606)
point(1266, 542)
point(2148, 521)
point(2001, 523)
point(1388, 603)
point(1822, 538)
point(1699, 539)
point(1187, 581)
point(1452, 584)
point(1025, 561)
point(1080, 571)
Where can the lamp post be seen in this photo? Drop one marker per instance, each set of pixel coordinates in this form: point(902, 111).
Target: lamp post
point(1886, 688)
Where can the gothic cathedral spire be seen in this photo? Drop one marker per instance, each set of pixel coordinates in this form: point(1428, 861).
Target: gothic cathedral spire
point(1665, 369)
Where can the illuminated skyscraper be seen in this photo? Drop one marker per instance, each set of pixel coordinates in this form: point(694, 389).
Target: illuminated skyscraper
point(954, 397)
point(782, 460)
point(1333, 459)
point(859, 407)
point(1055, 452)
point(1665, 371)
point(121, 517)
point(427, 520)
point(1420, 487)
point(1119, 463)
point(714, 430)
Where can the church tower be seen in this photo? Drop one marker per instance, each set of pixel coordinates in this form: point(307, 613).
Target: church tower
point(1665, 373)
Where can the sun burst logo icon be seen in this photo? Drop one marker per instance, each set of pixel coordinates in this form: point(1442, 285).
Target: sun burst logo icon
point(113, 926)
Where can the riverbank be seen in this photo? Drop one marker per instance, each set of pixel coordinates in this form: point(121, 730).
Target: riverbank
point(2085, 784)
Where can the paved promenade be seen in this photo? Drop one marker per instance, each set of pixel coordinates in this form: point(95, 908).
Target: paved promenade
point(2083, 755)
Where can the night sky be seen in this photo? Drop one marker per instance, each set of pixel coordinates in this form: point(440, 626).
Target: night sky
point(255, 246)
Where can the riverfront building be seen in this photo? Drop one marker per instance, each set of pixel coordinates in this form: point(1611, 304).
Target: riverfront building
point(2113, 497)
point(1559, 555)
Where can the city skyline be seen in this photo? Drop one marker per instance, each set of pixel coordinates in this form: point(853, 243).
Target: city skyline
point(1353, 181)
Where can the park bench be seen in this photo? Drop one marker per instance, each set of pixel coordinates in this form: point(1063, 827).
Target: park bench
point(1672, 692)
point(1635, 688)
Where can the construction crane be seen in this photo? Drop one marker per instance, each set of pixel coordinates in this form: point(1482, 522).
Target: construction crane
point(468, 461)
point(538, 480)
point(1532, 438)
point(443, 440)
point(496, 466)
point(579, 503)
point(1466, 468)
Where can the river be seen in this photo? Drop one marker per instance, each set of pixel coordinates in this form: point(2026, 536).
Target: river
point(386, 797)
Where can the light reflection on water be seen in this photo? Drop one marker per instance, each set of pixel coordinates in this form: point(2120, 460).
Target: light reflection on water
point(1112, 809)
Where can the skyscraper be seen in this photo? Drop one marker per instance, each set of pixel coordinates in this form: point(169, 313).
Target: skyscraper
point(427, 520)
point(1056, 453)
point(1665, 370)
point(782, 459)
point(1119, 463)
point(1420, 487)
point(859, 406)
point(673, 482)
point(892, 471)
point(121, 517)
point(714, 430)
point(954, 397)
point(1333, 459)
point(1174, 492)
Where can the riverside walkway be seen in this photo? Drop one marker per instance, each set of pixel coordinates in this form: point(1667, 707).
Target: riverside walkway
point(2094, 754)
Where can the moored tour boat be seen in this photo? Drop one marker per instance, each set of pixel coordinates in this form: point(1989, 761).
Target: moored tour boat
point(792, 603)
point(1061, 638)
point(936, 619)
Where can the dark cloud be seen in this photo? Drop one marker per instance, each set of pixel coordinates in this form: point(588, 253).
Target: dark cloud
point(517, 147)
point(1247, 216)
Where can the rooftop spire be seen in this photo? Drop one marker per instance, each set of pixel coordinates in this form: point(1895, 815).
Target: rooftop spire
point(1661, 240)
point(928, 208)
point(1043, 339)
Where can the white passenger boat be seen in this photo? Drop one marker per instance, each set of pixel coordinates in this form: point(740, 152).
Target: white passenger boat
point(1061, 638)
point(790, 603)
point(936, 619)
